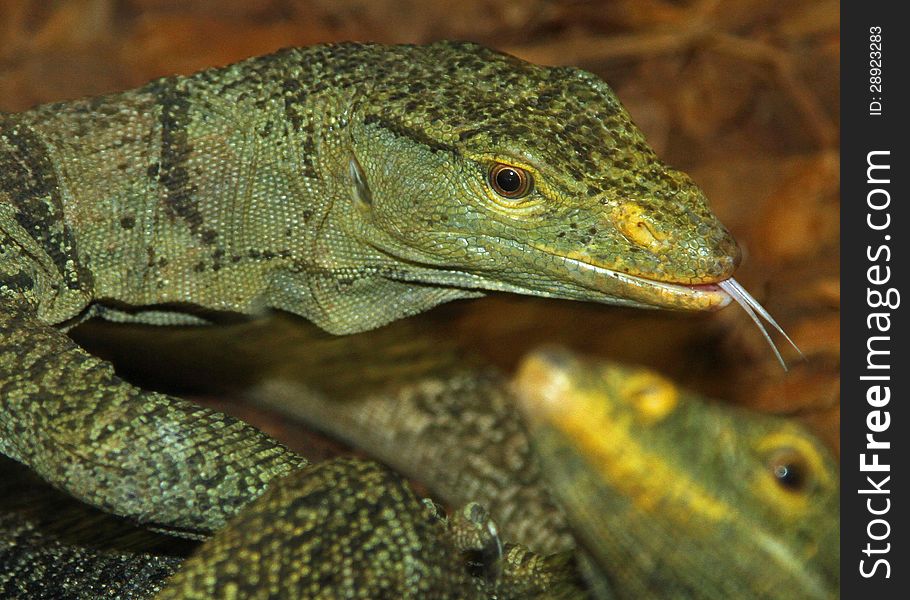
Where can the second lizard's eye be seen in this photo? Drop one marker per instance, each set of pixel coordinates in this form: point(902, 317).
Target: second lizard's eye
point(790, 470)
point(510, 182)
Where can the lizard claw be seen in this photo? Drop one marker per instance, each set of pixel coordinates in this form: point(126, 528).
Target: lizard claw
point(477, 536)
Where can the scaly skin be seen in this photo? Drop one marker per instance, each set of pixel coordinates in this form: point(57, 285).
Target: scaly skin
point(37, 566)
point(721, 503)
point(53, 547)
point(614, 459)
point(351, 529)
point(347, 184)
point(233, 190)
point(455, 430)
point(156, 459)
point(295, 541)
point(633, 504)
point(345, 528)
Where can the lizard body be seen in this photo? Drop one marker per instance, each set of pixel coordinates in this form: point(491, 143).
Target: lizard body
point(454, 430)
point(351, 184)
point(231, 190)
point(344, 528)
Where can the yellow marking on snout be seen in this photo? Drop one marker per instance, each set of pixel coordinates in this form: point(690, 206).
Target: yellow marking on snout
point(652, 396)
point(630, 219)
point(599, 429)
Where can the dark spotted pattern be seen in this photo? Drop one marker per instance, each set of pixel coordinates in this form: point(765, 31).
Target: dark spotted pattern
point(39, 566)
point(195, 466)
point(28, 179)
point(464, 99)
point(345, 529)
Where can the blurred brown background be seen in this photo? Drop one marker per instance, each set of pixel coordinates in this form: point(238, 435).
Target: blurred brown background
point(741, 94)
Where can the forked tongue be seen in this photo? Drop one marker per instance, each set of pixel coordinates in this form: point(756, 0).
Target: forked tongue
point(751, 306)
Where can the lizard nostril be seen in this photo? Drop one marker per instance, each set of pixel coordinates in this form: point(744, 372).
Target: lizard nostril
point(652, 396)
point(630, 219)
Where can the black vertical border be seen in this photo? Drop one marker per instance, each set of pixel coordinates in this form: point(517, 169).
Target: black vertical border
point(862, 133)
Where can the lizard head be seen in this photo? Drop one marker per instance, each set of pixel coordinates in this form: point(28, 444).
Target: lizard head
point(728, 502)
point(493, 173)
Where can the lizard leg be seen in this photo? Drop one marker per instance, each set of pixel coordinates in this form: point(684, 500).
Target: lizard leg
point(512, 571)
point(154, 458)
point(342, 529)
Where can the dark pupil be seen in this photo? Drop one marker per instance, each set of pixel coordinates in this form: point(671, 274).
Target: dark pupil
point(508, 180)
point(789, 475)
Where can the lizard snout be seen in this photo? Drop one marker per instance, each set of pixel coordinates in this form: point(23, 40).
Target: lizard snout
point(728, 255)
point(632, 221)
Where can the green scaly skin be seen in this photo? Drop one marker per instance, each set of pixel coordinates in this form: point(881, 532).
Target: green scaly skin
point(691, 484)
point(53, 547)
point(455, 428)
point(295, 541)
point(345, 183)
point(297, 536)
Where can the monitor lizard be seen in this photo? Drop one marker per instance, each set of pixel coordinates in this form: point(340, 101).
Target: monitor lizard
point(352, 184)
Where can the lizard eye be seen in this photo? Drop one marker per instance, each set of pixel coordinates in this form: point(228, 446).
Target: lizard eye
point(790, 470)
point(510, 182)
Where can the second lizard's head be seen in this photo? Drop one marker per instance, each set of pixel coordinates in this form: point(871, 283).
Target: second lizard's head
point(678, 497)
point(498, 174)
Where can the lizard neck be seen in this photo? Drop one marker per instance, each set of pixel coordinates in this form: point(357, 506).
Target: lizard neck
point(196, 192)
point(231, 191)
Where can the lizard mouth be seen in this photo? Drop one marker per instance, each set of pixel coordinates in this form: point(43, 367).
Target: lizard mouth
point(661, 294)
point(644, 291)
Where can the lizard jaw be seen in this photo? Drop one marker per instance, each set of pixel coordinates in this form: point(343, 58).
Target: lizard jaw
point(647, 292)
point(660, 294)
